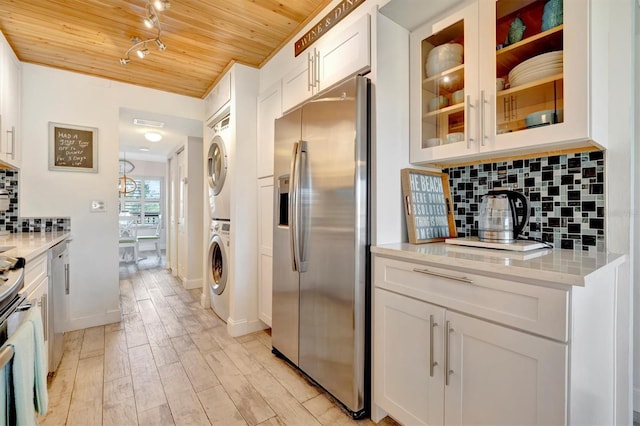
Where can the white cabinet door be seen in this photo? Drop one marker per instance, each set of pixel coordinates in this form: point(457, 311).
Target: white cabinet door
point(218, 97)
point(501, 376)
point(432, 121)
point(265, 247)
point(408, 375)
point(269, 108)
point(297, 84)
point(10, 75)
point(344, 53)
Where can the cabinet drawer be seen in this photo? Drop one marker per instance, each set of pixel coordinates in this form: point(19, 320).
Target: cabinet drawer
point(532, 308)
point(35, 270)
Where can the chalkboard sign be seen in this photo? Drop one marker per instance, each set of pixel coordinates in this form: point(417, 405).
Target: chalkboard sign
point(73, 148)
point(427, 206)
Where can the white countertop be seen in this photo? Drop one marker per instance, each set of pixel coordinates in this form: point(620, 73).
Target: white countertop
point(30, 245)
point(556, 266)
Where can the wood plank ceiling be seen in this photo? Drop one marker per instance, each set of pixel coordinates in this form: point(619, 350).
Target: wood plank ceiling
point(202, 37)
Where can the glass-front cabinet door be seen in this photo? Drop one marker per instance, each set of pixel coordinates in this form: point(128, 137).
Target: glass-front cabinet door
point(534, 83)
point(444, 80)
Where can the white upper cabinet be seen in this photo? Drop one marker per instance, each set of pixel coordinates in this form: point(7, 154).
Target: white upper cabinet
point(335, 56)
point(218, 96)
point(269, 108)
point(507, 94)
point(10, 93)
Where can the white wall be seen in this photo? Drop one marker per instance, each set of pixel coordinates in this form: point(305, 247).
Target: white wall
point(55, 95)
point(614, 21)
point(635, 183)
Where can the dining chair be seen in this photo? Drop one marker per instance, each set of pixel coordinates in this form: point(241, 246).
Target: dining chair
point(153, 238)
point(128, 239)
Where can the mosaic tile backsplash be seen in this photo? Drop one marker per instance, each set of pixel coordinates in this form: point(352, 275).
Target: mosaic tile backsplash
point(566, 193)
point(11, 221)
point(9, 218)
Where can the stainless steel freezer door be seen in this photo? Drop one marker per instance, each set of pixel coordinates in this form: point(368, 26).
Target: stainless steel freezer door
point(334, 229)
point(286, 294)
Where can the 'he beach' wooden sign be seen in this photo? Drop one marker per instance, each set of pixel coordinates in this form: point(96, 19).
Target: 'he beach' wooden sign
point(427, 206)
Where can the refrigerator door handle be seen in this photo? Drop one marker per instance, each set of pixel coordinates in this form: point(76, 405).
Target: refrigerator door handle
point(293, 203)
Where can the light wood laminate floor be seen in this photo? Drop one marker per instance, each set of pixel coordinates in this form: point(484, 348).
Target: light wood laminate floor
point(169, 361)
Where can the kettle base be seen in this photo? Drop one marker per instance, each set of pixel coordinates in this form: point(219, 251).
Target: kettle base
point(503, 237)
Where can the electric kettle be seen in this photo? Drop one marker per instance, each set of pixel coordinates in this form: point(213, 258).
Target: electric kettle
point(498, 221)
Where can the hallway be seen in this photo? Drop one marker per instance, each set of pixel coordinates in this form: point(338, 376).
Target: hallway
point(171, 362)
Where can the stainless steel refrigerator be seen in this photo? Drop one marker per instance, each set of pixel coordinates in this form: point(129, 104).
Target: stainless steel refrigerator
point(321, 241)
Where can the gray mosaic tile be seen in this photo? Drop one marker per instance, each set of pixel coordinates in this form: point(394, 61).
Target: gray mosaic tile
point(566, 194)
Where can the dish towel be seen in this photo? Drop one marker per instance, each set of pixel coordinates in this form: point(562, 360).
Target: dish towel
point(4, 395)
point(41, 369)
point(22, 380)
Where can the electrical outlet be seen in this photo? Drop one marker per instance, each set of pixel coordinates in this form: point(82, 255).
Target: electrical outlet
point(97, 206)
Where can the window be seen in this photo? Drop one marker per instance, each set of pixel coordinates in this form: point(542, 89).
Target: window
point(145, 202)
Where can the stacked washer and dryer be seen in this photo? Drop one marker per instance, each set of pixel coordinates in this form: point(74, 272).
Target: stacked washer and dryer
point(218, 260)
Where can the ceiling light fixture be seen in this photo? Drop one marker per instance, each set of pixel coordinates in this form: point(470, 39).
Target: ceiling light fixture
point(148, 123)
point(153, 136)
point(144, 149)
point(152, 20)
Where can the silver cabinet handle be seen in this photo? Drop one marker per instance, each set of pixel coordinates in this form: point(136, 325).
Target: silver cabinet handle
point(483, 103)
point(447, 343)
point(432, 363)
point(13, 142)
point(468, 123)
point(66, 279)
point(441, 275)
point(45, 316)
point(316, 74)
point(310, 71)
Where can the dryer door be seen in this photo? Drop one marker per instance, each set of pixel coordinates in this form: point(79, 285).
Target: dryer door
point(216, 164)
point(218, 265)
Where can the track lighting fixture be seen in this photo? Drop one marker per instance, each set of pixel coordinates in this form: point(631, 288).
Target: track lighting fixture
point(152, 20)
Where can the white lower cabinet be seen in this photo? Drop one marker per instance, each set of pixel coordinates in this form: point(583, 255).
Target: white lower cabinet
point(265, 248)
point(433, 365)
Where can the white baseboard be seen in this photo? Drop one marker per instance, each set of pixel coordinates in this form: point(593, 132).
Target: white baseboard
point(242, 327)
point(192, 283)
point(108, 317)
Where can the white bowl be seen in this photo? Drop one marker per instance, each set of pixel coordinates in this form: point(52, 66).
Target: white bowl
point(431, 142)
point(455, 137)
point(445, 56)
point(437, 67)
point(446, 48)
point(438, 102)
point(457, 97)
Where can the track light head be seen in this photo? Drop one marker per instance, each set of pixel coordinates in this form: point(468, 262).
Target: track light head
point(160, 44)
point(124, 61)
point(150, 21)
point(161, 5)
point(142, 52)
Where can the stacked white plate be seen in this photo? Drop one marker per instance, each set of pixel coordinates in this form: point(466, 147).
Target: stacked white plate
point(536, 68)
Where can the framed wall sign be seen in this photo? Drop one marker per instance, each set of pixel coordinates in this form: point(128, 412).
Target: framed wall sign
point(427, 205)
point(73, 148)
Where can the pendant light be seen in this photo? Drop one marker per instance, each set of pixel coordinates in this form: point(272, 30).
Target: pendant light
point(126, 185)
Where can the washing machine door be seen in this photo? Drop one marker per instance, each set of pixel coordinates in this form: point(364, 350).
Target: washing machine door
point(216, 164)
point(218, 265)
